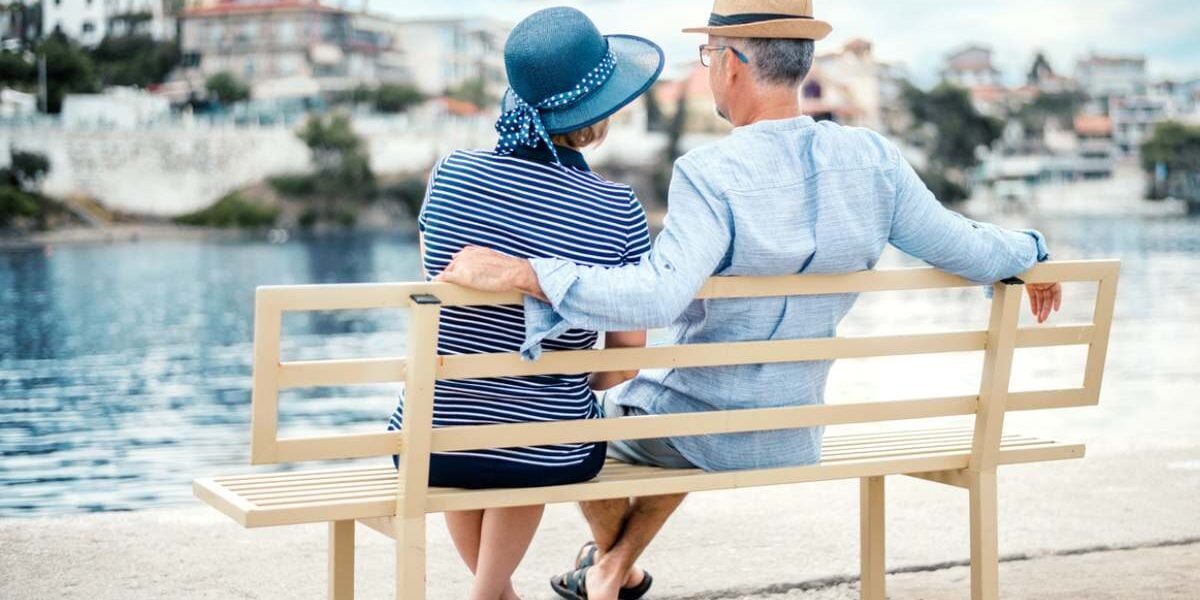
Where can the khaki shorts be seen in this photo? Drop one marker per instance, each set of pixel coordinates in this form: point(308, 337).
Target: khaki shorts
point(655, 452)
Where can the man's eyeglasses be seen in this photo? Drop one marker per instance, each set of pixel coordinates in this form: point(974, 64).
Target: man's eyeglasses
point(706, 50)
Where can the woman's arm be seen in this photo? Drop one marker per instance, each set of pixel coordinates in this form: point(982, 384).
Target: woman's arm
point(618, 339)
point(421, 241)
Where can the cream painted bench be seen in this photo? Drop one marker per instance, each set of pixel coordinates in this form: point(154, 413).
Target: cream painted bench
point(396, 504)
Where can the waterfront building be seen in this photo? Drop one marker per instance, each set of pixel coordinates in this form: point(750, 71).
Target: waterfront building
point(89, 21)
point(283, 47)
point(289, 45)
point(1133, 120)
point(1104, 77)
point(1095, 149)
point(855, 88)
point(445, 54)
point(971, 66)
point(20, 25)
point(849, 86)
point(376, 53)
point(1182, 96)
point(1043, 79)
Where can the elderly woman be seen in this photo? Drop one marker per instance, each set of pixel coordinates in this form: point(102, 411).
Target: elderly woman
point(533, 196)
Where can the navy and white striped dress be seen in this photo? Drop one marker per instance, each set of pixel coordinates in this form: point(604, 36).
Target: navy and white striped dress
point(527, 206)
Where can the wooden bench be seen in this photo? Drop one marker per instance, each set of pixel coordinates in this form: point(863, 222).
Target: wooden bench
point(396, 503)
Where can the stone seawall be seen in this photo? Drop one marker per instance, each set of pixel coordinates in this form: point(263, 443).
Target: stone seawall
point(172, 169)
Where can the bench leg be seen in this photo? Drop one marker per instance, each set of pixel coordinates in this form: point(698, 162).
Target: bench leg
point(341, 560)
point(871, 515)
point(985, 553)
point(410, 557)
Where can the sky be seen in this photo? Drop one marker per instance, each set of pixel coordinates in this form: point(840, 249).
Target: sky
point(917, 33)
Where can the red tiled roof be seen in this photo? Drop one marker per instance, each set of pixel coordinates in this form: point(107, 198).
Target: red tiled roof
point(694, 85)
point(227, 7)
point(458, 107)
point(1097, 125)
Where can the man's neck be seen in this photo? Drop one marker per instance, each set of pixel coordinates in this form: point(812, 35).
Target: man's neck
point(771, 105)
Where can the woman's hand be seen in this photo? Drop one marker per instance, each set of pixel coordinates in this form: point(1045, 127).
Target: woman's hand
point(617, 339)
point(1043, 298)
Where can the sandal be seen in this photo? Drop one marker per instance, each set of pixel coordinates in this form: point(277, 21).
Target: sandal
point(586, 557)
point(571, 585)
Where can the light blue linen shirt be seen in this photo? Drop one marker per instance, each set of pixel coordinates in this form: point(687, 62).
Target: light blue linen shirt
point(772, 198)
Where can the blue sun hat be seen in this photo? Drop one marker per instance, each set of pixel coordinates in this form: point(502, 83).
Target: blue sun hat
point(564, 75)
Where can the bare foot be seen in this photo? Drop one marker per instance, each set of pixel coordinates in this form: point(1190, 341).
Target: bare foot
point(602, 585)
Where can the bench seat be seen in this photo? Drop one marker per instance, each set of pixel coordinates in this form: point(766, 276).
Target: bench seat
point(265, 500)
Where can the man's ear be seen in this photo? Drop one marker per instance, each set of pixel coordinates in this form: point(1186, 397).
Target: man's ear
point(732, 68)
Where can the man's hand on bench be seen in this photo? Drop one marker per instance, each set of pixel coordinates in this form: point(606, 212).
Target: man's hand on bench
point(490, 271)
point(1044, 298)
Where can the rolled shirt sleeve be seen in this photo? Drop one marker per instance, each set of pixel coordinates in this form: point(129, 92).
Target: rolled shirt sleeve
point(652, 293)
point(980, 252)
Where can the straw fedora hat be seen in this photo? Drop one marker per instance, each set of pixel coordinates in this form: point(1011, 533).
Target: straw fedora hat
point(764, 19)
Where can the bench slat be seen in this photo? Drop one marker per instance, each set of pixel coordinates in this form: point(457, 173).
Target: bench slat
point(340, 494)
point(467, 366)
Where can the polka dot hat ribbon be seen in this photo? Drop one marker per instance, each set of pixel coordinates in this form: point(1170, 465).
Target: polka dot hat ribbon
point(522, 126)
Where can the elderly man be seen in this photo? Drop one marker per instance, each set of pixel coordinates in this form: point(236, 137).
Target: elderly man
point(780, 195)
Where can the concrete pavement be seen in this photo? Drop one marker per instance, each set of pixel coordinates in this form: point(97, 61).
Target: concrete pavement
point(797, 541)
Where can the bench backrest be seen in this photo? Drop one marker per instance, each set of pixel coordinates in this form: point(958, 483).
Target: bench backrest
point(422, 366)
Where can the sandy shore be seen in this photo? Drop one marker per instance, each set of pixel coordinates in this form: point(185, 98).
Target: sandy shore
point(1115, 526)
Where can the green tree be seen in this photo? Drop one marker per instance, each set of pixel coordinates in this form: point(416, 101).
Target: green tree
point(390, 98)
point(18, 187)
point(1059, 107)
point(1173, 148)
point(947, 125)
point(227, 88)
point(232, 210)
point(331, 140)
point(1174, 145)
point(28, 169)
point(14, 203)
point(137, 60)
point(69, 70)
point(17, 70)
point(343, 166)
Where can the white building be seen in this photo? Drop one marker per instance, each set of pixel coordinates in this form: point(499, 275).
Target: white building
point(853, 84)
point(443, 54)
point(1133, 120)
point(88, 21)
point(1104, 77)
point(971, 67)
point(375, 52)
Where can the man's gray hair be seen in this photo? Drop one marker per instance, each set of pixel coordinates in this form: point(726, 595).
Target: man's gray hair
point(783, 62)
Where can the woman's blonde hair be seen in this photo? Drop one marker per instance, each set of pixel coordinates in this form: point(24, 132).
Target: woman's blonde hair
point(593, 134)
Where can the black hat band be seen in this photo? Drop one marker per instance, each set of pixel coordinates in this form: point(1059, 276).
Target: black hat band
point(715, 20)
